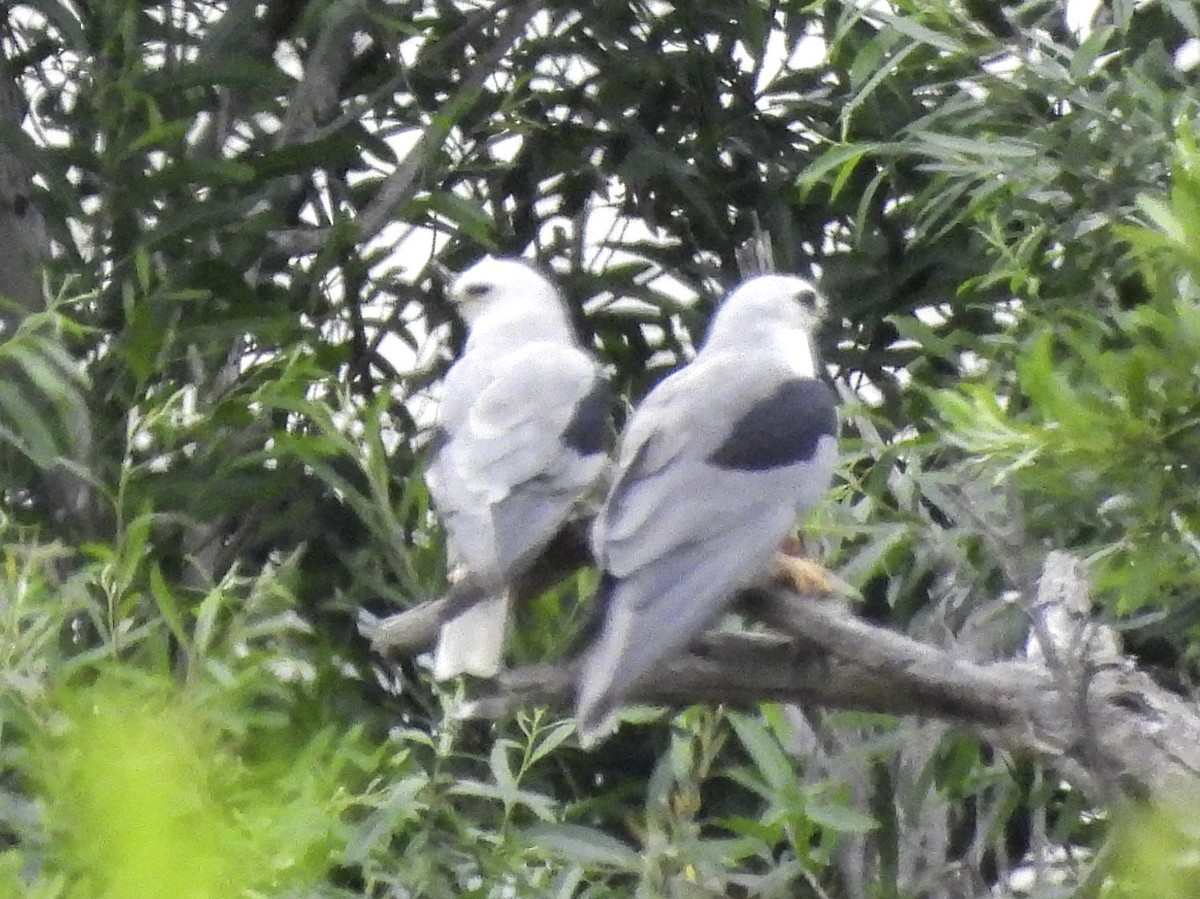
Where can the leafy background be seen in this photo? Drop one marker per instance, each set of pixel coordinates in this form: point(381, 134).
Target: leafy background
point(223, 329)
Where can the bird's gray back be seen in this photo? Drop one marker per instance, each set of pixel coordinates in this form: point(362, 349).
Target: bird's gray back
point(669, 490)
point(503, 477)
point(702, 498)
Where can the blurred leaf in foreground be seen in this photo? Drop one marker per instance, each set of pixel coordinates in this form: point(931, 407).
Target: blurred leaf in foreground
point(146, 797)
point(1156, 853)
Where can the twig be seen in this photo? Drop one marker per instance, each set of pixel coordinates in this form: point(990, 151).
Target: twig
point(756, 254)
point(401, 185)
point(414, 630)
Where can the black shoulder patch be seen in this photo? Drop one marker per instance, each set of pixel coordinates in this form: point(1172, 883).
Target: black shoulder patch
point(437, 440)
point(780, 430)
point(587, 431)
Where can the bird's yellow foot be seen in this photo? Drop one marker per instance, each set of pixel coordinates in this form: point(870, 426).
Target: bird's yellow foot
point(804, 575)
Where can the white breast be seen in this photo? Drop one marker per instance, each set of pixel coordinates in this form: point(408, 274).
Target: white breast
point(796, 346)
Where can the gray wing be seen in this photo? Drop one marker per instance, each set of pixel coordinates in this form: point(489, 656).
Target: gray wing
point(521, 439)
point(714, 476)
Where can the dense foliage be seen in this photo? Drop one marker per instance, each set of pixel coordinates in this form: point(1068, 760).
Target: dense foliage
point(215, 394)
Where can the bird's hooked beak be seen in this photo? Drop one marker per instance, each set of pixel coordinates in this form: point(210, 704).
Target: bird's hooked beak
point(467, 296)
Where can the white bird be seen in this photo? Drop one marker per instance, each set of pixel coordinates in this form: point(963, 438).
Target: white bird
point(522, 428)
point(715, 466)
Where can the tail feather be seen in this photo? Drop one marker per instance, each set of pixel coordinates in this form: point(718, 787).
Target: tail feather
point(604, 634)
point(472, 642)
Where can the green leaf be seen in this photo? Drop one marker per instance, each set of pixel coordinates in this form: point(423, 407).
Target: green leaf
point(874, 83)
point(923, 34)
point(466, 215)
point(167, 604)
point(952, 146)
point(840, 158)
point(1085, 57)
point(133, 547)
point(909, 327)
point(840, 818)
point(206, 620)
point(550, 739)
point(870, 58)
point(502, 773)
point(25, 427)
point(1185, 13)
point(771, 762)
point(871, 559)
point(581, 845)
point(542, 806)
point(61, 386)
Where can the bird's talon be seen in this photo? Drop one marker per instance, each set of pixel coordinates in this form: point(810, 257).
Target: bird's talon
point(804, 576)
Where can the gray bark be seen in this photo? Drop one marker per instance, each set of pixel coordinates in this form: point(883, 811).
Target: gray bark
point(402, 183)
point(1107, 727)
point(27, 249)
point(22, 229)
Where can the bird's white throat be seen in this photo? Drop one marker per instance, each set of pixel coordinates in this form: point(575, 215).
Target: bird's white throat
point(797, 347)
point(517, 324)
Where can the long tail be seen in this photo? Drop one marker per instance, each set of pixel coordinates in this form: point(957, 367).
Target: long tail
point(473, 641)
point(595, 704)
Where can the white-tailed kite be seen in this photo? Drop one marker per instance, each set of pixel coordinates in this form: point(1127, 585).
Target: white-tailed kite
point(715, 466)
point(522, 428)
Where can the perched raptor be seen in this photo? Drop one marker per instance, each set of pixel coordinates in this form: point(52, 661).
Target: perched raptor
point(522, 428)
point(715, 466)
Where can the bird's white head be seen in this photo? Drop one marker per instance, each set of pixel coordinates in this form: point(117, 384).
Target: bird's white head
point(508, 301)
point(494, 282)
point(763, 306)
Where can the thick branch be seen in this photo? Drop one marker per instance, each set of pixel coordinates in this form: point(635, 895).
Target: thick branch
point(744, 669)
point(316, 98)
point(1104, 724)
point(414, 630)
point(27, 249)
point(22, 228)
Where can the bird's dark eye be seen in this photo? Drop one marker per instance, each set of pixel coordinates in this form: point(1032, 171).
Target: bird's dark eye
point(477, 291)
point(807, 298)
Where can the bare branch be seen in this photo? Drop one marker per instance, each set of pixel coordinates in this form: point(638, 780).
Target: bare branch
point(756, 254)
point(401, 185)
point(1063, 630)
point(22, 228)
point(1141, 739)
point(414, 630)
point(318, 95)
point(26, 242)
